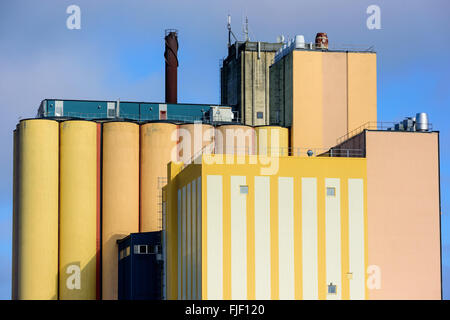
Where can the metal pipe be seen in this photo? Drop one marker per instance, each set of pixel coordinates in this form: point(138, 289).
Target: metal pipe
point(170, 56)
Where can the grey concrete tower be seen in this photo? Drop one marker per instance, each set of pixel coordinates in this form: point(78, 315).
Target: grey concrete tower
point(244, 80)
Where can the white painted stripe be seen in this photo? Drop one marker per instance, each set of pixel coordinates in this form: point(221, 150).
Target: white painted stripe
point(199, 238)
point(238, 239)
point(183, 240)
point(286, 238)
point(188, 242)
point(179, 243)
point(309, 239)
point(333, 237)
point(214, 221)
point(262, 238)
point(356, 238)
point(194, 240)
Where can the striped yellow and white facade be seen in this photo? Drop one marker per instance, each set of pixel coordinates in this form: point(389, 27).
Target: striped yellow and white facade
point(234, 233)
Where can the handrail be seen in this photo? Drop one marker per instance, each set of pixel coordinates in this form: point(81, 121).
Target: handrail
point(374, 125)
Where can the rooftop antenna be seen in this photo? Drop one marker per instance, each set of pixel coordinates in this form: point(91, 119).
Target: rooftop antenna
point(246, 29)
point(230, 33)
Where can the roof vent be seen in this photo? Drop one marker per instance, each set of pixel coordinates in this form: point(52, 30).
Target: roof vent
point(322, 41)
point(422, 121)
point(299, 42)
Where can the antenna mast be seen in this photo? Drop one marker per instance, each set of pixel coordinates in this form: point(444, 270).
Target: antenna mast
point(246, 29)
point(230, 33)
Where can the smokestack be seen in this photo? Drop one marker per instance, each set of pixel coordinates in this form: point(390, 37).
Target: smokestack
point(170, 55)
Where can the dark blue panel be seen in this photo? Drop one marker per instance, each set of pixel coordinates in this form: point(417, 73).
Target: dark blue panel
point(140, 275)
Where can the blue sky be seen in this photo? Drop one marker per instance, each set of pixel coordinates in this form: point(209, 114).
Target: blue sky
point(118, 53)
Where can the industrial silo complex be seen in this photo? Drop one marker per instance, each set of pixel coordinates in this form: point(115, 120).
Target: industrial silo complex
point(291, 189)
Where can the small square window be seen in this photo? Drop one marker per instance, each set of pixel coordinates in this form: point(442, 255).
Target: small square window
point(259, 115)
point(244, 189)
point(127, 251)
point(331, 191)
point(331, 288)
point(140, 249)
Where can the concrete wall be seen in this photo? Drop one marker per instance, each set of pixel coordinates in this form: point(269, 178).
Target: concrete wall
point(403, 214)
point(256, 86)
point(245, 82)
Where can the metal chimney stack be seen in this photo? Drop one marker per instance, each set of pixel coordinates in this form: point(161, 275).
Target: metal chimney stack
point(170, 55)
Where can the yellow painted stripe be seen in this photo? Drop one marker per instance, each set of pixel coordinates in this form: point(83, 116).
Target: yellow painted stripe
point(226, 238)
point(298, 270)
point(274, 237)
point(356, 238)
point(344, 240)
point(286, 238)
point(321, 240)
point(251, 238)
point(261, 200)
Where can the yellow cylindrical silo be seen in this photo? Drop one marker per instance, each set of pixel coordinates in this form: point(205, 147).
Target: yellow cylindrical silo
point(194, 139)
point(158, 147)
point(37, 271)
point(15, 215)
point(235, 139)
point(120, 193)
point(78, 210)
point(272, 140)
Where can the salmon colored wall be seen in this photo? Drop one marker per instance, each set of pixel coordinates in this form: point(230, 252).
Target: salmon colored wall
point(333, 93)
point(362, 89)
point(307, 86)
point(403, 214)
point(334, 97)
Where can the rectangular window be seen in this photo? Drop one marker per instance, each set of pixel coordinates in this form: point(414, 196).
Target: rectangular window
point(59, 108)
point(244, 189)
point(259, 115)
point(331, 191)
point(140, 249)
point(111, 109)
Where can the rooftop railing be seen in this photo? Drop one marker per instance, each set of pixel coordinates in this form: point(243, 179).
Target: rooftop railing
point(274, 152)
point(372, 125)
point(206, 118)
